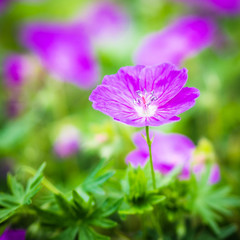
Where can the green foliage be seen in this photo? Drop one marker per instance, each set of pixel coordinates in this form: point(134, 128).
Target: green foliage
point(93, 183)
point(79, 217)
point(211, 202)
point(19, 196)
point(12, 134)
point(139, 199)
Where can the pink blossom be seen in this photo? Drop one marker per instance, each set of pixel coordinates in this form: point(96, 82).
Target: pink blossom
point(180, 40)
point(67, 142)
point(145, 96)
point(65, 50)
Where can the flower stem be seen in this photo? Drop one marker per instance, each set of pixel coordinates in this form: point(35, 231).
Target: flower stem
point(149, 142)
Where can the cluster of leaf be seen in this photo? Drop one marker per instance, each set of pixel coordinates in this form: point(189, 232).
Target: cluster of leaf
point(79, 214)
point(211, 202)
point(86, 213)
point(19, 196)
point(78, 217)
point(93, 183)
point(139, 198)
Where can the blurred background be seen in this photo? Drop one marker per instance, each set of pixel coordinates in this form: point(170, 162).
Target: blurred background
point(54, 52)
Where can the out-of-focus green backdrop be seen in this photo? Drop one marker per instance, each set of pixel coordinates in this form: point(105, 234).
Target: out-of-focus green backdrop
point(47, 104)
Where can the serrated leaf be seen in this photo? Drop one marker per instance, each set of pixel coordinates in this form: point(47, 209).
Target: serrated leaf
point(211, 203)
point(15, 187)
point(104, 223)
point(33, 185)
point(110, 206)
point(6, 213)
point(65, 205)
point(68, 234)
point(155, 199)
point(92, 183)
point(86, 233)
point(48, 217)
point(10, 203)
point(7, 200)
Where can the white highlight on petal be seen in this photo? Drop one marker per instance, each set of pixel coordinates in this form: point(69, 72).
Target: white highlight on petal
point(143, 103)
point(146, 112)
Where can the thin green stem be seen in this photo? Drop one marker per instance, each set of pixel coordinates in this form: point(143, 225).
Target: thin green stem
point(149, 142)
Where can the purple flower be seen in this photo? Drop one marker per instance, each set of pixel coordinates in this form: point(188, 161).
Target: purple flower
point(184, 38)
point(6, 165)
point(3, 4)
point(15, 69)
point(65, 50)
point(200, 168)
point(218, 6)
point(67, 142)
point(105, 20)
point(168, 150)
point(13, 234)
point(144, 96)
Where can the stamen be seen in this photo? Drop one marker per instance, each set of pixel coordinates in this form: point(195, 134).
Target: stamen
point(144, 101)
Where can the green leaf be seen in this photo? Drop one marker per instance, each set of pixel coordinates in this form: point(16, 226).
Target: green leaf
point(6, 213)
point(86, 233)
point(11, 203)
point(110, 206)
point(92, 183)
point(7, 200)
point(15, 187)
point(211, 202)
point(33, 184)
point(69, 234)
point(104, 223)
point(65, 205)
point(155, 199)
point(12, 134)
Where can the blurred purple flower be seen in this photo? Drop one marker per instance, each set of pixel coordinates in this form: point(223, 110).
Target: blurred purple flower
point(65, 50)
point(168, 150)
point(224, 7)
point(67, 142)
point(145, 96)
point(6, 165)
point(14, 106)
point(15, 69)
point(182, 39)
point(3, 4)
point(105, 20)
point(13, 234)
point(214, 177)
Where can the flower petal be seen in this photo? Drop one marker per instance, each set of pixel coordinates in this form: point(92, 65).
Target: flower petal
point(126, 79)
point(137, 158)
point(183, 101)
point(184, 38)
point(65, 50)
point(165, 80)
point(114, 103)
point(214, 174)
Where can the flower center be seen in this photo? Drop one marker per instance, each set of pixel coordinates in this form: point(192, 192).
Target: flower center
point(143, 103)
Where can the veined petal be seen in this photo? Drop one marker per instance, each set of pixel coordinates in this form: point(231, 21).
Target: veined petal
point(183, 101)
point(165, 80)
point(126, 79)
point(114, 103)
